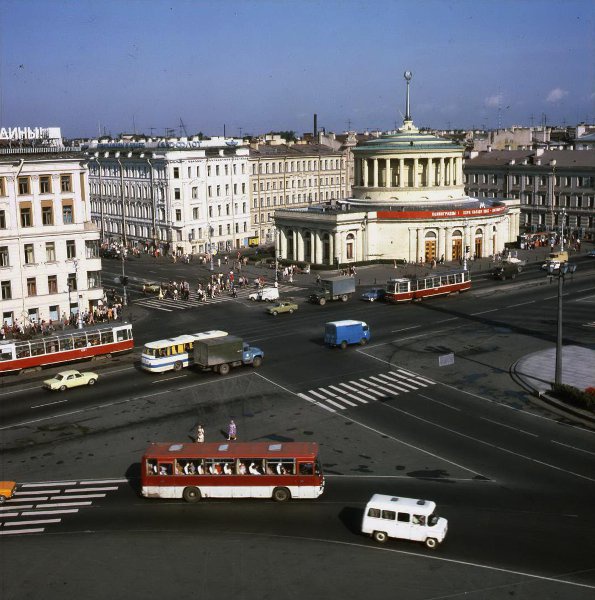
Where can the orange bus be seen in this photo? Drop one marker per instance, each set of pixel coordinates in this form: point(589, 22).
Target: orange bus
point(277, 470)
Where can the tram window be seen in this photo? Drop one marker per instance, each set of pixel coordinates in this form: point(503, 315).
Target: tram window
point(107, 337)
point(80, 340)
point(37, 348)
point(23, 350)
point(306, 468)
point(122, 335)
point(403, 287)
point(6, 354)
point(93, 338)
point(66, 343)
point(51, 345)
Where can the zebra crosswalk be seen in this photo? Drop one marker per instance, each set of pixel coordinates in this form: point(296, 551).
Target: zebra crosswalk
point(35, 506)
point(169, 304)
point(358, 392)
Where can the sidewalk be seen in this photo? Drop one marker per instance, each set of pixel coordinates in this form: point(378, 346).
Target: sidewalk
point(537, 372)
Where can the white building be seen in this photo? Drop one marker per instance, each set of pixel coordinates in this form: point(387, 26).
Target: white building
point(408, 203)
point(49, 250)
point(183, 195)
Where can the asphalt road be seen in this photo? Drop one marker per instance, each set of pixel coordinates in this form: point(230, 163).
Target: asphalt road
point(515, 482)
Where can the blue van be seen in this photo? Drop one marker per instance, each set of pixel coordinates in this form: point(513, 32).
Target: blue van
point(342, 333)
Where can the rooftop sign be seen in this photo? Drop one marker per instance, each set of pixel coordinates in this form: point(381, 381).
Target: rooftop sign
point(30, 133)
point(442, 214)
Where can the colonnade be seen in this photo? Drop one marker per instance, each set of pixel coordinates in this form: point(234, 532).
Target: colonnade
point(408, 172)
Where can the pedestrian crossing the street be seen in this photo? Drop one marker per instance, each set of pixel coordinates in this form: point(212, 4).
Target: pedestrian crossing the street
point(169, 304)
point(359, 392)
point(36, 506)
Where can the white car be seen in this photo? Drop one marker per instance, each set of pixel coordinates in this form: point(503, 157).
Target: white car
point(268, 294)
point(69, 379)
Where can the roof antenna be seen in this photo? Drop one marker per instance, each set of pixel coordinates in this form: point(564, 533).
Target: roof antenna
point(408, 76)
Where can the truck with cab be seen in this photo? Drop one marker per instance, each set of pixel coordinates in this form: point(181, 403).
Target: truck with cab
point(404, 518)
point(333, 288)
point(343, 333)
point(220, 354)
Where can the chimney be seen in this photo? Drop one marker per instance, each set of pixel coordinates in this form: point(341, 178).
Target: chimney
point(315, 124)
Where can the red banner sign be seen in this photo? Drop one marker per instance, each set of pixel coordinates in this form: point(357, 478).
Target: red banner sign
point(442, 214)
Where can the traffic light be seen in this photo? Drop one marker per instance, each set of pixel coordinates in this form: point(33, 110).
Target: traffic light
point(466, 249)
point(124, 280)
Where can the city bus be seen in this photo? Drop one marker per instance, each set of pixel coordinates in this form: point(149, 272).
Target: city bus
point(406, 289)
point(277, 470)
point(173, 353)
point(65, 347)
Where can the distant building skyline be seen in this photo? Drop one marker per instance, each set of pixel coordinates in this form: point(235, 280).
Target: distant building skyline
point(257, 66)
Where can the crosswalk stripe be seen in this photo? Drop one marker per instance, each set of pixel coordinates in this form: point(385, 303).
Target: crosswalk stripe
point(380, 387)
point(317, 403)
point(64, 504)
point(338, 397)
point(13, 507)
point(407, 385)
point(77, 496)
point(368, 389)
point(316, 394)
point(14, 499)
point(414, 376)
point(24, 492)
point(335, 403)
point(17, 531)
point(36, 522)
point(406, 379)
point(348, 394)
point(31, 513)
point(360, 392)
point(389, 383)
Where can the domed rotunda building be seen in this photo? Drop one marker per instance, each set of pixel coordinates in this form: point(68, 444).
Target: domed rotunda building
point(408, 203)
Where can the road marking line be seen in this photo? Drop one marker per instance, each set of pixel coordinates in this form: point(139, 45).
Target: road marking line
point(405, 328)
point(317, 394)
point(316, 403)
point(335, 403)
point(573, 447)
point(451, 319)
point(62, 483)
point(337, 396)
point(16, 514)
point(348, 394)
point(65, 504)
point(400, 382)
point(37, 522)
point(93, 489)
point(19, 493)
point(17, 531)
point(390, 385)
point(520, 304)
point(438, 402)
point(31, 513)
point(49, 403)
point(414, 376)
point(483, 312)
point(360, 390)
point(169, 378)
point(13, 507)
point(508, 426)
point(411, 378)
point(368, 389)
point(35, 499)
point(373, 383)
point(78, 496)
point(103, 481)
point(383, 379)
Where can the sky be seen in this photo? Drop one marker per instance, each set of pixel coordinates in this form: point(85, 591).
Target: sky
point(254, 66)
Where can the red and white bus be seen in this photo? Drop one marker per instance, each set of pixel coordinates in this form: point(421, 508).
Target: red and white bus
point(407, 289)
point(277, 470)
point(65, 347)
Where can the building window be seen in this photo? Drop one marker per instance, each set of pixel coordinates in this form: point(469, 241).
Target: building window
point(92, 248)
point(71, 282)
point(94, 279)
point(50, 252)
point(195, 213)
point(26, 220)
point(70, 249)
point(29, 254)
point(4, 262)
point(23, 185)
point(2, 219)
point(210, 191)
point(176, 172)
point(67, 214)
point(31, 286)
point(45, 184)
point(6, 290)
point(178, 214)
point(194, 193)
point(177, 194)
point(65, 183)
point(47, 215)
point(2, 187)
point(52, 284)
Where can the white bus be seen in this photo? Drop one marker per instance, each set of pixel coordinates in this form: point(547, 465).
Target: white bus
point(173, 353)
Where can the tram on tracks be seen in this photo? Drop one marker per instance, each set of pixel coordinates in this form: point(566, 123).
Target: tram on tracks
point(409, 289)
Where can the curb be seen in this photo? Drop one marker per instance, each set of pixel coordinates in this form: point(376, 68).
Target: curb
point(561, 408)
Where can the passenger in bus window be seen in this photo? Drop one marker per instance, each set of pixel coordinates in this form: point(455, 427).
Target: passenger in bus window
point(227, 469)
point(152, 467)
point(179, 470)
point(242, 468)
point(306, 469)
point(165, 469)
point(200, 469)
point(253, 469)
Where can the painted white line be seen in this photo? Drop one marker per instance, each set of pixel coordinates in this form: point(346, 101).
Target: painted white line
point(415, 379)
point(29, 499)
point(13, 507)
point(483, 312)
point(335, 403)
point(315, 393)
point(405, 328)
point(438, 402)
point(15, 514)
point(390, 384)
point(357, 398)
point(368, 389)
point(446, 320)
point(32, 513)
point(62, 483)
point(401, 382)
point(25, 492)
point(337, 396)
point(37, 522)
point(344, 393)
point(65, 504)
point(91, 489)
point(316, 403)
point(520, 304)
point(103, 481)
point(573, 447)
point(17, 531)
point(169, 379)
point(78, 496)
point(362, 388)
point(384, 379)
point(49, 403)
point(414, 376)
point(508, 426)
point(377, 385)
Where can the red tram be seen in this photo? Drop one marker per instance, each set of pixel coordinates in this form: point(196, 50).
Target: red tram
point(65, 347)
point(407, 289)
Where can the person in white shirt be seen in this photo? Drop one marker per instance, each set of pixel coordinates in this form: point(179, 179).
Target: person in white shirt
point(253, 470)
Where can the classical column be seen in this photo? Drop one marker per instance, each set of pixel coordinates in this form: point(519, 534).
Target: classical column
point(441, 251)
point(317, 247)
point(415, 175)
point(387, 174)
point(430, 172)
point(441, 180)
point(365, 171)
point(412, 245)
point(448, 243)
point(294, 249)
point(401, 172)
point(375, 172)
point(356, 173)
point(283, 243)
point(300, 244)
point(331, 248)
point(420, 247)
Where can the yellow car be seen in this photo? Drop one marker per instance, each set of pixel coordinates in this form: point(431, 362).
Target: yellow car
point(7, 489)
point(70, 379)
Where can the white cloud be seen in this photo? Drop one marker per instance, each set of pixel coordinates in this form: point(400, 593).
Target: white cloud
point(556, 95)
point(493, 101)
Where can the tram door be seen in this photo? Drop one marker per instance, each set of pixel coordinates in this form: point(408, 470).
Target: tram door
point(457, 249)
point(430, 250)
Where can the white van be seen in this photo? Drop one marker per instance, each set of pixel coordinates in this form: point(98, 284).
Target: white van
point(268, 294)
point(404, 518)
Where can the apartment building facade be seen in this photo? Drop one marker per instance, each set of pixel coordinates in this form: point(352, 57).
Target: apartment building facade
point(49, 249)
point(553, 186)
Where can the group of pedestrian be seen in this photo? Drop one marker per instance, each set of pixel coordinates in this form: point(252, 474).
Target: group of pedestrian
point(232, 432)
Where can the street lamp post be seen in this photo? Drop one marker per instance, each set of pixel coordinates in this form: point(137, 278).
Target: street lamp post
point(79, 319)
point(561, 272)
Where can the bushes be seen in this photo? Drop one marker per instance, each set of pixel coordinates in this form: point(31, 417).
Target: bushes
point(575, 397)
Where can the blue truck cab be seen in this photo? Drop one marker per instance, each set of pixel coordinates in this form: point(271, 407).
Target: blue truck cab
point(343, 333)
